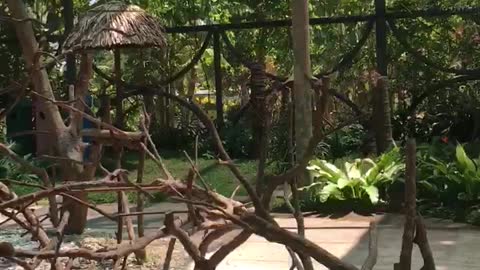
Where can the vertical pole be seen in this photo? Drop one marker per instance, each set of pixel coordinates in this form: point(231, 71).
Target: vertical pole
point(382, 108)
point(381, 37)
point(140, 202)
point(217, 54)
point(410, 207)
point(70, 61)
point(120, 195)
point(302, 91)
point(119, 90)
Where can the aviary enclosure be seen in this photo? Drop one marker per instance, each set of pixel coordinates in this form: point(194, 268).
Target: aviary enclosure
point(114, 26)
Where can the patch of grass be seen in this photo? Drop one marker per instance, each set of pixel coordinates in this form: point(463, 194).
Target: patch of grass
point(219, 178)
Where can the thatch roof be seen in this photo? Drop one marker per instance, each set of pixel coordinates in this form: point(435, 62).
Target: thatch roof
point(115, 25)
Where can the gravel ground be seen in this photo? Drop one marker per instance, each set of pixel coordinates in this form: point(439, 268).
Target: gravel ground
point(156, 253)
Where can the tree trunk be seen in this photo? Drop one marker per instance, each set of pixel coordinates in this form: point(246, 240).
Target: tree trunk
point(302, 88)
point(40, 81)
point(302, 73)
point(68, 139)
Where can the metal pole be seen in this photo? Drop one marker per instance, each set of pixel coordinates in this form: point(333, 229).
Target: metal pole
point(217, 57)
point(381, 37)
point(70, 71)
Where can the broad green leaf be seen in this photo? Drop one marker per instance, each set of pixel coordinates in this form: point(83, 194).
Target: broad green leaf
point(310, 186)
point(343, 182)
point(330, 170)
point(464, 162)
point(372, 192)
point(353, 170)
point(330, 191)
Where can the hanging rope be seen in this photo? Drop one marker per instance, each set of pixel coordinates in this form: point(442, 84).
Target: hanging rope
point(243, 60)
point(192, 63)
point(399, 36)
point(346, 60)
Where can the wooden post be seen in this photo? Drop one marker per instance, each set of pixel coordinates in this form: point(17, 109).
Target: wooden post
point(383, 128)
point(120, 194)
point(68, 16)
point(217, 57)
point(410, 207)
point(140, 202)
point(381, 37)
point(119, 121)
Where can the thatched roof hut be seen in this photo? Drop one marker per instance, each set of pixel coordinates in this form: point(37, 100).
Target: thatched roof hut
point(115, 25)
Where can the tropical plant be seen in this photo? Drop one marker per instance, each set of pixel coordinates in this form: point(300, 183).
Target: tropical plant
point(11, 170)
point(451, 182)
point(361, 179)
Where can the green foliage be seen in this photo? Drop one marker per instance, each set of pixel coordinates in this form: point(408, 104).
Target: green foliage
point(358, 180)
point(345, 142)
point(11, 170)
point(453, 182)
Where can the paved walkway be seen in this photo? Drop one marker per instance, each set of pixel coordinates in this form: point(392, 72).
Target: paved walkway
point(455, 246)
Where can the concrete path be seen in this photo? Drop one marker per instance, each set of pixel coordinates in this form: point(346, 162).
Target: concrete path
point(455, 246)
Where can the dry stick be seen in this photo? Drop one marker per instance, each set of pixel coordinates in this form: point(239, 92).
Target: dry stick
point(59, 232)
point(138, 187)
point(140, 199)
point(120, 196)
point(157, 161)
point(194, 168)
point(22, 183)
point(223, 252)
point(211, 237)
point(89, 205)
point(69, 264)
point(235, 192)
point(421, 240)
point(410, 205)
point(190, 207)
point(124, 263)
point(297, 213)
point(121, 251)
point(16, 219)
point(72, 187)
point(296, 263)
point(168, 256)
point(187, 243)
point(149, 213)
point(41, 173)
point(372, 248)
point(144, 127)
point(129, 224)
point(22, 263)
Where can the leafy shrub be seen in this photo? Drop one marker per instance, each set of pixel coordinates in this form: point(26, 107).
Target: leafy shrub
point(345, 142)
point(454, 182)
point(359, 180)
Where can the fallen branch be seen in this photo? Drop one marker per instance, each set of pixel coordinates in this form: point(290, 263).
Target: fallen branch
point(168, 256)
